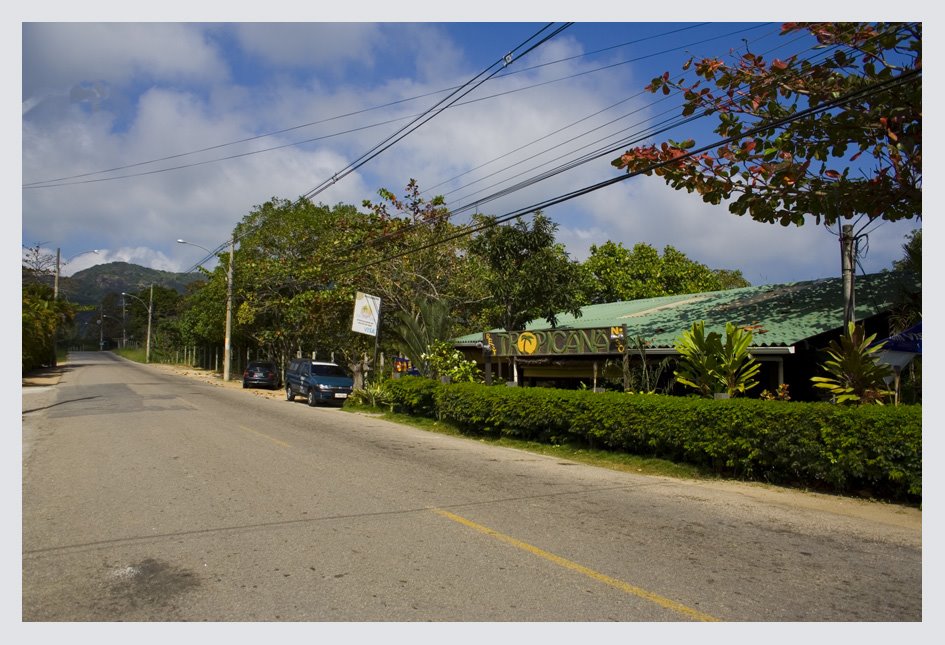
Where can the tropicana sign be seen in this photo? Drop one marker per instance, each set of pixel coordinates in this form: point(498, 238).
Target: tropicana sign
point(556, 342)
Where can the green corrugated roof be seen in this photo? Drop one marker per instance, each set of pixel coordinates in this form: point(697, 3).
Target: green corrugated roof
point(781, 315)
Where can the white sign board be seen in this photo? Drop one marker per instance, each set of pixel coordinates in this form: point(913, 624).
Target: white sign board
point(367, 311)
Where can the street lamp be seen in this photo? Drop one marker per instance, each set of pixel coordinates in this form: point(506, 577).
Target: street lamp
point(197, 245)
point(147, 351)
point(101, 329)
point(229, 304)
point(58, 265)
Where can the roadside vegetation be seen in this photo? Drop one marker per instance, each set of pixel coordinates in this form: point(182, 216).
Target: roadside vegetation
point(869, 450)
point(136, 354)
point(570, 451)
point(299, 265)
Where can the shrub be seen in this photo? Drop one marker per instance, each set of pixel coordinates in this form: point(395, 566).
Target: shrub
point(372, 395)
point(853, 373)
point(711, 366)
point(819, 445)
point(411, 395)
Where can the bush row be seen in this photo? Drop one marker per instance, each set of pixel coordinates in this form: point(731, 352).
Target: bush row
point(876, 449)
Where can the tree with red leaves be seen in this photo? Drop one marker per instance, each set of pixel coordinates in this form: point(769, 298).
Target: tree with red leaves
point(860, 159)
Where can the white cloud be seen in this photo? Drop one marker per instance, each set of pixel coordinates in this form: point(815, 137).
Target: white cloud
point(143, 256)
point(644, 209)
point(188, 100)
point(312, 46)
point(58, 57)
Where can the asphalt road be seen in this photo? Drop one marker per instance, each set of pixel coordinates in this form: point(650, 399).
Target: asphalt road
point(148, 496)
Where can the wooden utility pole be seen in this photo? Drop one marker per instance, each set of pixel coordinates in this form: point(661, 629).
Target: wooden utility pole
point(229, 312)
point(847, 252)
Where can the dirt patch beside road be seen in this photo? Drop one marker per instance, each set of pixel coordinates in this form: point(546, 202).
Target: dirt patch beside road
point(214, 378)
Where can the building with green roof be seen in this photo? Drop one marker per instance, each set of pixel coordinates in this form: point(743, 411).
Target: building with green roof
point(790, 323)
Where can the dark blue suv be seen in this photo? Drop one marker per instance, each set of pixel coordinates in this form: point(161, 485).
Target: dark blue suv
point(317, 382)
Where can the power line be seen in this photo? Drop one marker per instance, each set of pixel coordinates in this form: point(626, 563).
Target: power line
point(66, 180)
point(546, 175)
point(434, 111)
point(593, 155)
point(429, 114)
point(340, 116)
point(571, 165)
point(903, 78)
point(657, 128)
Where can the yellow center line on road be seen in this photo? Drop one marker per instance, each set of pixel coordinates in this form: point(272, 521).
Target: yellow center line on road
point(265, 436)
point(574, 566)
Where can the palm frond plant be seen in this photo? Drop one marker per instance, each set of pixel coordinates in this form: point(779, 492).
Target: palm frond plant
point(853, 373)
point(713, 367)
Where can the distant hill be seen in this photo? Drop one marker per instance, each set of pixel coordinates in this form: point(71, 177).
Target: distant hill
point(90, 285)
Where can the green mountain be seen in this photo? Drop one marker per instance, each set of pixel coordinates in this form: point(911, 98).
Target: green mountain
point(91, 285)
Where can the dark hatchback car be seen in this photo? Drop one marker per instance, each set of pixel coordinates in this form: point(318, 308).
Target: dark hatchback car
point(261, 374)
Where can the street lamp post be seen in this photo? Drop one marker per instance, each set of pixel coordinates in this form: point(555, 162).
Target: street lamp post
point(101, 327)
point(59, 264)
point(147, 345)
point(229, 304)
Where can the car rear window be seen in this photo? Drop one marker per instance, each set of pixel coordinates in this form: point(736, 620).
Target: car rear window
point(261, 366)
point(327, 370)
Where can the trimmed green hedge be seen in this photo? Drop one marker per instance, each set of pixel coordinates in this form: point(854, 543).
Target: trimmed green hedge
point(827, 447)
point(412, 395)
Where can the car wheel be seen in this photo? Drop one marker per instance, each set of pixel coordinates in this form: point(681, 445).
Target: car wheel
point(288, 393)
point(312, 400)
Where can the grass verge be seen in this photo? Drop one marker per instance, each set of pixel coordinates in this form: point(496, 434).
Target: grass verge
point(132, 354)
point(579, 453)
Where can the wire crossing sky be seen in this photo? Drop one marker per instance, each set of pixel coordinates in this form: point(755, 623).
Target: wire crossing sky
point(136, 134)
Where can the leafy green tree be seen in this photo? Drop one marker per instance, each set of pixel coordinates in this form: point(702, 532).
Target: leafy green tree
point(416, 333)
point(445, 361)
point(203, 310)
point(907, 307)
point(911, 261)
point(527, 274)
point(289, 293)
point(299, 265)
point(730, 279)
point(427, 259)
point(166, 306)
point(814, 166)
point(42, 315)
point(853, 374)
point(616, 273)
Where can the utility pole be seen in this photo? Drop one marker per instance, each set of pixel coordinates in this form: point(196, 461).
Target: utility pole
point(53, 360)
point(56, 279)
point(847, 244)
point(229, 312)
point(147, 351)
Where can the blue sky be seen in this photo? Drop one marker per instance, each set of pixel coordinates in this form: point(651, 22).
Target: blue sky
point(166, 103)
